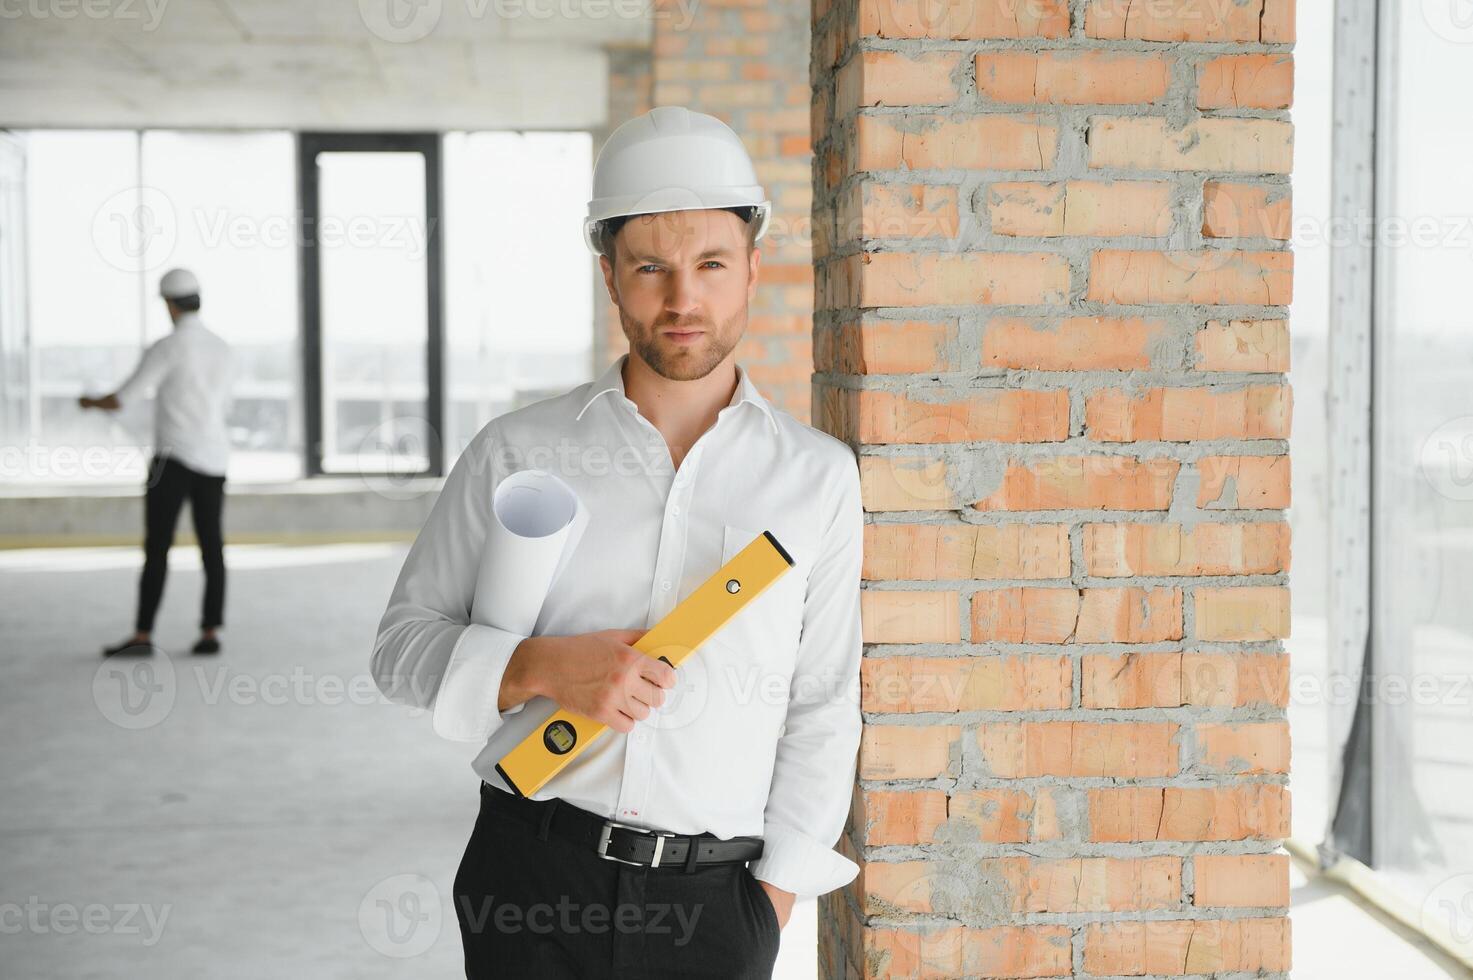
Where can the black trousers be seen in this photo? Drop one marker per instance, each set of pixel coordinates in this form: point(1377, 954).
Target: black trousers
point(170, 482)
point(533, 904)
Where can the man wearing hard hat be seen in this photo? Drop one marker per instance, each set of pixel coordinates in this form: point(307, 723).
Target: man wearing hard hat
point(191, 370)
point(676, 843)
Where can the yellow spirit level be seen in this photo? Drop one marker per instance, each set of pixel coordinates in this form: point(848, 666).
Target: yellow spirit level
point(544, 753)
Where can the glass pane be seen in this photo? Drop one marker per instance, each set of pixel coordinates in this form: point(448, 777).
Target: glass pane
point(375, 319)
point(1309, 333)
point(1423, 773)
point(519, 280)
point(90, 233)
point(233, 197)
point(15, 360)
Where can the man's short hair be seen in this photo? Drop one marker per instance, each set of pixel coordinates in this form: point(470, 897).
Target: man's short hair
point(609, 227)
point(186, 304)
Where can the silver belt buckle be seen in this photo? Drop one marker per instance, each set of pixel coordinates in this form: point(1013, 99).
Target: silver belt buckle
point(603, 843)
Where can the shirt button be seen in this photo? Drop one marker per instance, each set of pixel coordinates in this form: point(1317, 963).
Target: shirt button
point(665, 586)
point(675, 511)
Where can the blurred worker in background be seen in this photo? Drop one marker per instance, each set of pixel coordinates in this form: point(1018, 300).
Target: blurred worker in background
point(191, 369)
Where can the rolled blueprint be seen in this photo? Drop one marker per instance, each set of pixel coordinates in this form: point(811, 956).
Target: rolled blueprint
point(536, 523)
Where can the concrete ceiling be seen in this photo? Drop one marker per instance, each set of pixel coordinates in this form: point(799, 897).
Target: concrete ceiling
point(312, 64)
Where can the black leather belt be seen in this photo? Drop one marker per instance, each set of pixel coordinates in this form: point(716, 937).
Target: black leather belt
point(615, 841)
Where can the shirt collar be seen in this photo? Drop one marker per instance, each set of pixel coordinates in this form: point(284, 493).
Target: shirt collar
point(612, 379)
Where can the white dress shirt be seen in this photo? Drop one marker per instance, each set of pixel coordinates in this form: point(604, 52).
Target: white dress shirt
point(192, 370)
point(760, 735)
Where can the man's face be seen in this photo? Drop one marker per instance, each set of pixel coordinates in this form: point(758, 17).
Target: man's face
point(682, 284)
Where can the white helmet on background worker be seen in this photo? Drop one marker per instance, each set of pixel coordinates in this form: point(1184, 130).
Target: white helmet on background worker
point(673, 159)
point(177, 283)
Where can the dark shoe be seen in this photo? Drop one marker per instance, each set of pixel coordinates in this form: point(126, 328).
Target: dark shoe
point(129, 648)
point(206, 645)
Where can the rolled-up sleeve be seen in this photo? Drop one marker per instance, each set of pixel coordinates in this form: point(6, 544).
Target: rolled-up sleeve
point(428, 653)
point(813, 776)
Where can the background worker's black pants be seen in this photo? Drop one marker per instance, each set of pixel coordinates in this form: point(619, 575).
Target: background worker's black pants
point(169, 483)
point(534, 906)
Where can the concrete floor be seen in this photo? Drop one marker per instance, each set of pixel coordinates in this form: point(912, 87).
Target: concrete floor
point(264, 813)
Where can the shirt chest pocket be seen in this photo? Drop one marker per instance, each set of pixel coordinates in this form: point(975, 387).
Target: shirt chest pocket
point(766, 629)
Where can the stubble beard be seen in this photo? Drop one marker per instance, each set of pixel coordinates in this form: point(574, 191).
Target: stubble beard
point(681, 362)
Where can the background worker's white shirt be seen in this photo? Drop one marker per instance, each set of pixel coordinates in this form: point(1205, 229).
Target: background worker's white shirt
point(192, 370)
point(761, 733)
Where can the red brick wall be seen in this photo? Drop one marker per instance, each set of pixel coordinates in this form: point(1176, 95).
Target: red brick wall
point(1052, 280)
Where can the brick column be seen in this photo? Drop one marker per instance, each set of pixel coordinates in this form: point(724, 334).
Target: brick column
point(1052, 280)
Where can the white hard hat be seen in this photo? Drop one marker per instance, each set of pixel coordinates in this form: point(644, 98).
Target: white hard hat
point(673, 159)
point(177, 283)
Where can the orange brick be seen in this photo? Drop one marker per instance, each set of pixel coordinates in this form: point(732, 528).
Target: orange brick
point(1085, 483)
point(1246, 81)
point(1243, 482)
point(987, 142)
point(1021, 885)
point(1250, 811)
point(925, 416)
point(1072, 77)
point(961, 279)
point(890, 78)
point(1245, 747)
point(1213, 276)
point(1235, 680)
point(1131, 680)
point(1134, 750)
point(1197, 946)
point(1188, 414)
point(1241, 880)
point(997, 19)
point(1171, 679)
point(1265, 21)
point(1246, 211)
point(965, 551)
point(1258, 612)
point(874, 346)
point(1025, 615)
point(1080, 208)
point(889, 483)
point(994, 683)
point(910, 617)
point(1114, 550)
point(1081, 343)
point(901, 816)
point(1257, 146)
point(1243, 345)
point(1004, 816)
point(1129, 615)
point(931, 415)
point(909, 751)
point(934, 954)
point(873, 210)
